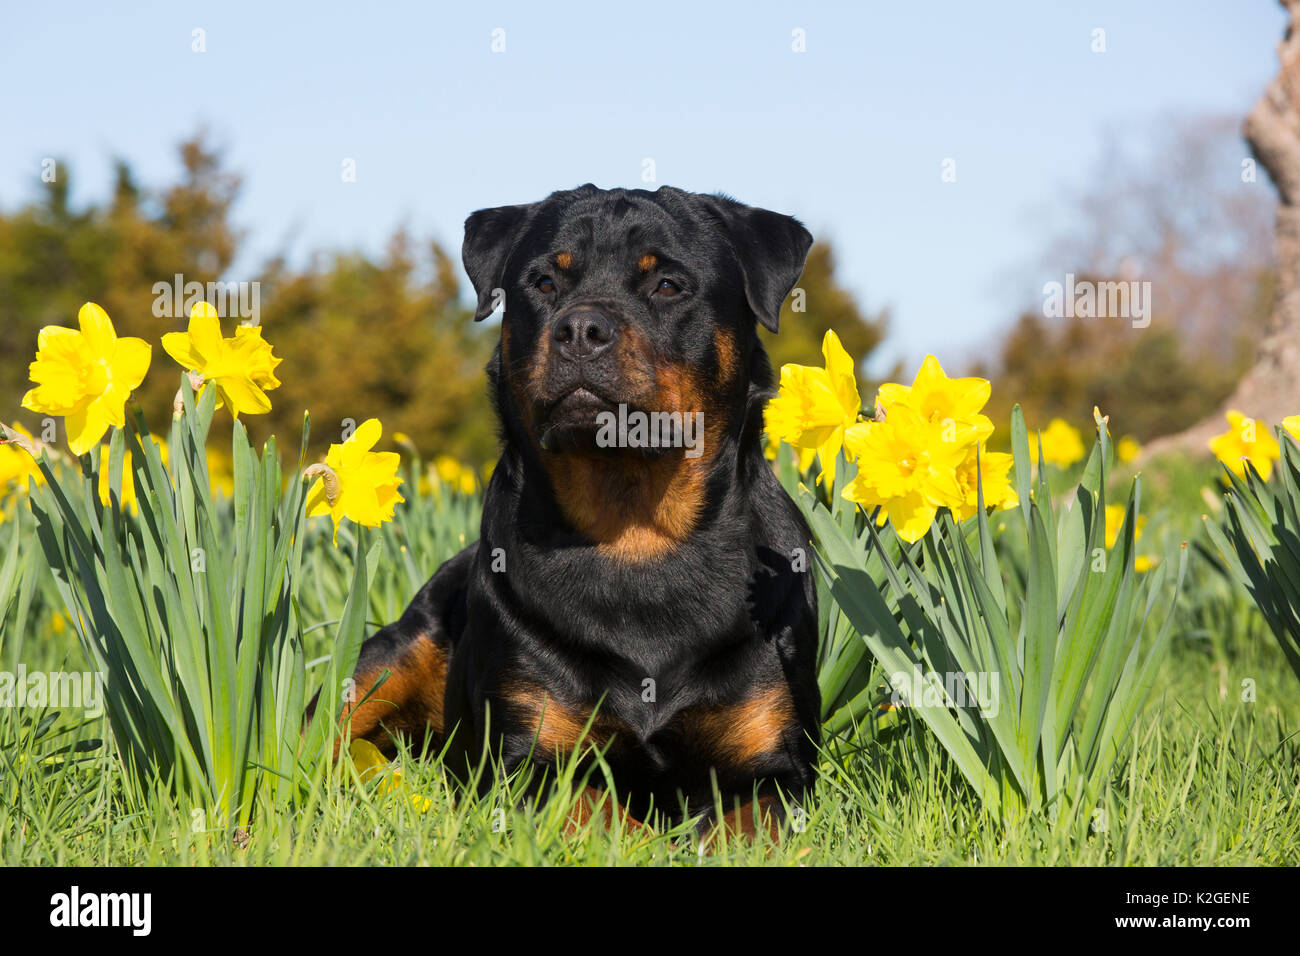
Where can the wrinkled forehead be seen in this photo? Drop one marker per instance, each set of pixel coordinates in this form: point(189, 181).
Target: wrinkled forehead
point(607, 228)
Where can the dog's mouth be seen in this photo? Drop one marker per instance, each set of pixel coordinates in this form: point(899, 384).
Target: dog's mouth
point(578, 401)
point(586, 420)
point(571, 420)
point(577, 407)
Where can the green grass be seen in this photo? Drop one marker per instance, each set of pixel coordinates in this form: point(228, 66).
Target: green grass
point(1208, 778)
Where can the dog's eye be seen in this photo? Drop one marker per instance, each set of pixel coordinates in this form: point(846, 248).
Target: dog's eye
point(546, 285)
point(667, 288)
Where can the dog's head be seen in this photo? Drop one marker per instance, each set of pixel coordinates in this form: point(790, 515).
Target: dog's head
point(619, 302)
point(629, 354)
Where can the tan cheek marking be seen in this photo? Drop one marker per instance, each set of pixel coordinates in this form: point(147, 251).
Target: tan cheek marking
point(525, 384)
point(725, 346)
point(635, 366)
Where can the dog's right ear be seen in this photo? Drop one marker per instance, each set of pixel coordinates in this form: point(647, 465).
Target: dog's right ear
point(771, 248)
point(489, 237)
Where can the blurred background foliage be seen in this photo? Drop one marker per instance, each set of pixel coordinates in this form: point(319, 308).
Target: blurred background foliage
point(827, 306)
point(1176, 204)
point(388, 337)
point(391, 336)
point(360, 337)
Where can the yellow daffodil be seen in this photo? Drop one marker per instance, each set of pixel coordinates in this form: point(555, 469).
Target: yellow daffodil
point(907, 466)
point(86, 376)
point(994, 469)
point(815, 405)
point(355, 482)
point(924, 455)
point(450, 473)
point(1062, 444)
point(1292, 425)
point(221, 471)
point(16, 463)
point(1127, 448)
point(129, 502)
point(1114, 522)
point(128, 482)
point(371, 764)
point(241, 367)
point(1245, 440)
point(938, 398)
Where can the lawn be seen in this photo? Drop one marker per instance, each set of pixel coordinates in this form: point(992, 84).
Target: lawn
point(1209, 777)
point(1146, 708)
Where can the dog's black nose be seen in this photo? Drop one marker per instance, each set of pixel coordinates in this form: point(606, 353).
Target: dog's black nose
point(583, 334)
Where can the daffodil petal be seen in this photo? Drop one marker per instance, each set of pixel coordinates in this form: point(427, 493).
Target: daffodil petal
point(205, 331)
point(85, 428)
point(367, 434)
point(317, 503)
point(131, 362)
point(97, 327)
point(180, 347)
point(243, 396)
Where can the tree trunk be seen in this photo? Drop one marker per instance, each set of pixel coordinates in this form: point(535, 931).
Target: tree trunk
point(1271, 389)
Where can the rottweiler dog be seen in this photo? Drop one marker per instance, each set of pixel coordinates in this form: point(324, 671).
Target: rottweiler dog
point(641, 578)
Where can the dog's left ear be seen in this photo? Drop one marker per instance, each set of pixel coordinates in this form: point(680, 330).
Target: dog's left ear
point(771, 248)
point(489, 236)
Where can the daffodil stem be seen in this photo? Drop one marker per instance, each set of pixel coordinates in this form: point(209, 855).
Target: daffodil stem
point(196, 383)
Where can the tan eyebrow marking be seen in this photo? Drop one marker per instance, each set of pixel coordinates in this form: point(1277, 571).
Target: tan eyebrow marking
point(564, 260)
point(647, 262)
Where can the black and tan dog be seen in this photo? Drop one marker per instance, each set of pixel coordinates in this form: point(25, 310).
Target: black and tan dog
point(665, 589)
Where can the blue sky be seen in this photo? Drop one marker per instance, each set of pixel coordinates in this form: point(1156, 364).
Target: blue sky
point(849, 135)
